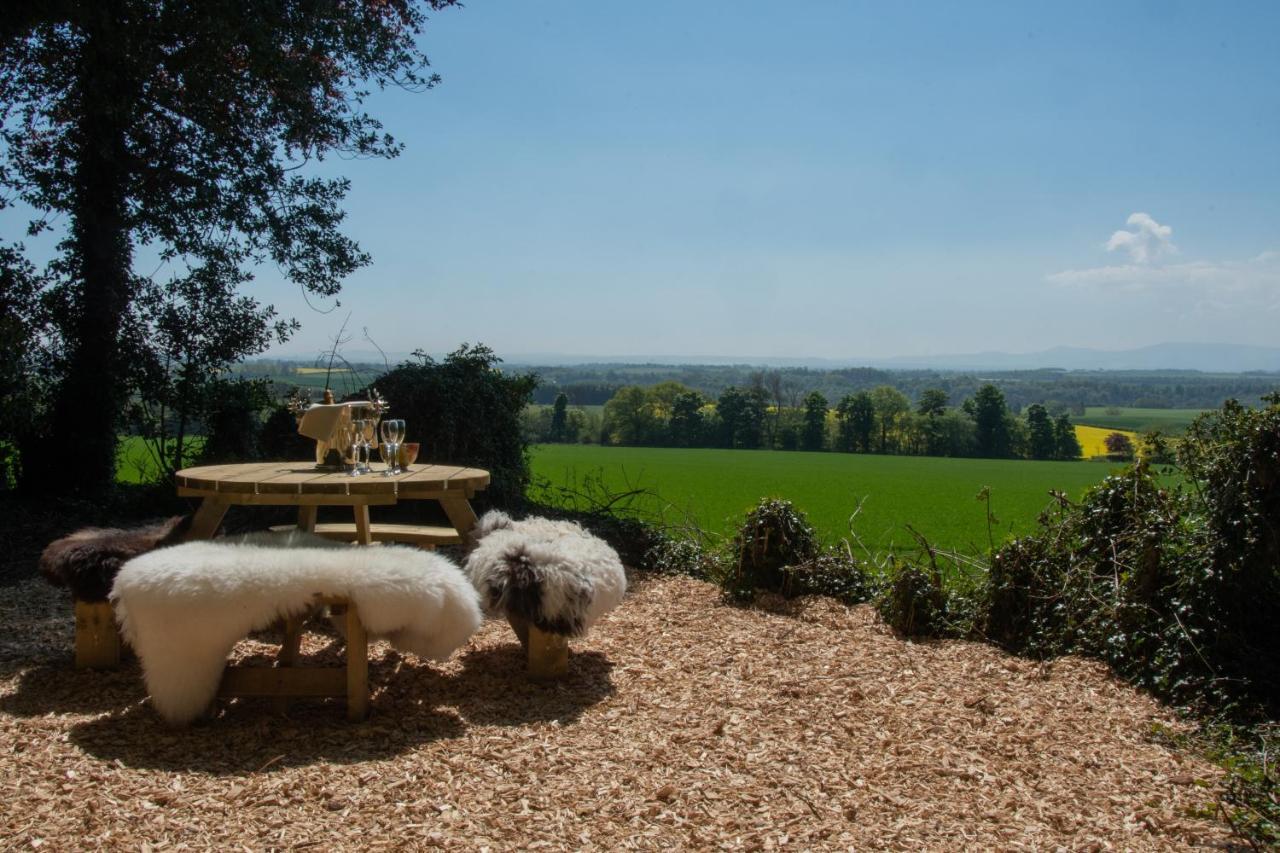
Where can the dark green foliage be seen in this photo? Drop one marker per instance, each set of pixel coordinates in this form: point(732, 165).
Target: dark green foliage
point(814, 434)
point(774, 535)
point(466, 411)
point(1066, 445)
point(687, 426)
point(742, 413)
point(913, 602)
point(1178, 590)
point(832, 572)
point(1042, 441)
point(233, 425)
point(182, 127)
point(857, 422)
point(990, 416)
point(559, 418)
point(280, 439)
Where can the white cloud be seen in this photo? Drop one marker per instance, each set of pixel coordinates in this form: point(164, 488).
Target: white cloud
point(1148, 241)
point(1252, 283)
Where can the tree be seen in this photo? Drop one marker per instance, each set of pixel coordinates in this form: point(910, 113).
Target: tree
point(933, 402)
point(990, 413)
point(687, 424)
point(857, 419)
point(181, 127)
point(742, 415)
point(629, 417)
point(815, 422)
point(1067, 446)
point(1119, 446)
point(559, 418)
point(890, 405)
point(1042, 441)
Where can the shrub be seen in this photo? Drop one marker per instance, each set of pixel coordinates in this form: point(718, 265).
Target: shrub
point(466, 411)
point(774, 536)
point(913, 602)
point(1179, 590)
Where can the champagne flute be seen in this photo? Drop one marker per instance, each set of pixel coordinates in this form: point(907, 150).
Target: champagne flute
point(369, 431)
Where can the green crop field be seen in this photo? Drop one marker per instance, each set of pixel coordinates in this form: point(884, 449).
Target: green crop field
point(1168, 421)
point(936, 496)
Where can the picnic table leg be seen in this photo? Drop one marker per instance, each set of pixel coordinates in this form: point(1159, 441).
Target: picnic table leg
point(364, 534)
point(461, 516)
point(307, 518)
point(207, 518)
point(357, 665)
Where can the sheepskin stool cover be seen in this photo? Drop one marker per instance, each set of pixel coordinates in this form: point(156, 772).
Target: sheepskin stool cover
point(86, 563)
point(184, 608)
point(549, 576)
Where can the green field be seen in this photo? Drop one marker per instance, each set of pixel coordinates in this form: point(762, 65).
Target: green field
point(936, 496)
point(135, 463)
point(1168, 421)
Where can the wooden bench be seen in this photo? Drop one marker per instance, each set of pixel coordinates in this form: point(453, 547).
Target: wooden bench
point(287, 680)
point(422, 535)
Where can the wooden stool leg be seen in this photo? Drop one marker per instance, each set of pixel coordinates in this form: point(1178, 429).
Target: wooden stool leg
point(548, 654)
point(289, 648)
point(97, 640)
point(357, 666)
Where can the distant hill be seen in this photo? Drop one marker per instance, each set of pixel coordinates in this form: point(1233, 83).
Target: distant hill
point(1210, 358)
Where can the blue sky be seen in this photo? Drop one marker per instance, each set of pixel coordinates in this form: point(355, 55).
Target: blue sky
point(843, 180)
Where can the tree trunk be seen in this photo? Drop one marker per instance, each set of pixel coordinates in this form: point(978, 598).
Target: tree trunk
point(80, 455)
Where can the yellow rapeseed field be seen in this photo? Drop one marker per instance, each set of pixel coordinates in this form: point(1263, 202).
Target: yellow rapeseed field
point(1092, 439)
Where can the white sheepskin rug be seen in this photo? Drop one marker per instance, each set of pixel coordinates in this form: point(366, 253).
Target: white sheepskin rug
point(552, 574)
point(183, 608)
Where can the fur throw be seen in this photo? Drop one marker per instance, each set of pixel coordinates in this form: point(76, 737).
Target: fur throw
point(184, 608)
point(552, 574)
point(87, 561)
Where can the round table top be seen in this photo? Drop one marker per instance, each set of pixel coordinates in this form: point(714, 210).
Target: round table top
point(302, 478)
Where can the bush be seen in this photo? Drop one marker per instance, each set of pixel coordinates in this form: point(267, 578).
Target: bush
point(465, 411)
point(1179, 590)
point(774, 536)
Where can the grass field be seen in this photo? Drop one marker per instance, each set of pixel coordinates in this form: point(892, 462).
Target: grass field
point(936, 496)
point(135, 463)
point(1169, 421)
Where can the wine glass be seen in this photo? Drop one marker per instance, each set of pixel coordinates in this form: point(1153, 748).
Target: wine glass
point(389, 444)
point(388, 451)
point(369, 431)
point(351, 438)
point(399, 439)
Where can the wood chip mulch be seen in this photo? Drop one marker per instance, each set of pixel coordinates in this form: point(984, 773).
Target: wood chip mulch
point(683, 722)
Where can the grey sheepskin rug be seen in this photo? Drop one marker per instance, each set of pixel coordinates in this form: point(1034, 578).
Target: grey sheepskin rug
point(87, 561)
point(551, 574)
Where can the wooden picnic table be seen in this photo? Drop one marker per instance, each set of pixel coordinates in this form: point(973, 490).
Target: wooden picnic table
point(300, 484)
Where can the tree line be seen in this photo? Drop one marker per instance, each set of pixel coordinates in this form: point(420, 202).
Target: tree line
point(594, 384)
point(881, 420)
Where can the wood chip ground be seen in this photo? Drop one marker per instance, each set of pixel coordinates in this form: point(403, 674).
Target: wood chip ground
point(683, 723)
